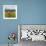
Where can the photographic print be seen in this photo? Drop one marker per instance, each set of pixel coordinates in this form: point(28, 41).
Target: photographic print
point(9, 11)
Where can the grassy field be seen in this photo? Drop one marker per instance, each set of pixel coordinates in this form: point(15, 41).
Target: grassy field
point(10, 13)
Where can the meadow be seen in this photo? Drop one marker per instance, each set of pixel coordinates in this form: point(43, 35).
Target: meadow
point(10, 13)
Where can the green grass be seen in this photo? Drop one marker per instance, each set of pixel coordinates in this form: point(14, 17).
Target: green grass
point(10, 13)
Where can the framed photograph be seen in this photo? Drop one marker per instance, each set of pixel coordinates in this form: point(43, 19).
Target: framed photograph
point(9, 11)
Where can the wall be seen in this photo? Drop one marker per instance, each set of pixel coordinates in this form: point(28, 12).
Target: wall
point(7, 26)
point(34, 12)
point(29, 12)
